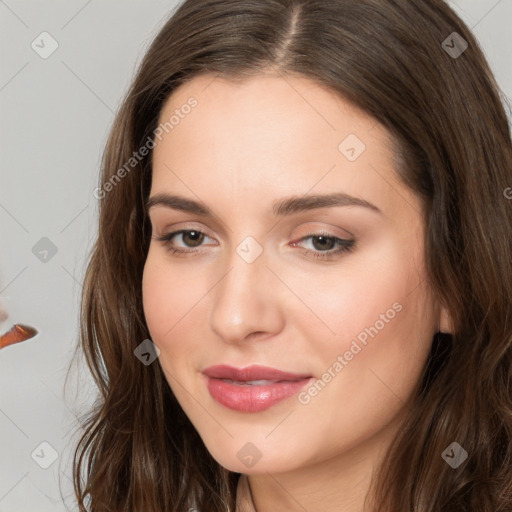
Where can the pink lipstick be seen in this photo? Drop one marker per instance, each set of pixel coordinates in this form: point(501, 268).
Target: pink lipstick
point(254, 388)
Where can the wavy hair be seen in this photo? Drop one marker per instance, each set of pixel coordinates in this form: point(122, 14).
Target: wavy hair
point(398, 61)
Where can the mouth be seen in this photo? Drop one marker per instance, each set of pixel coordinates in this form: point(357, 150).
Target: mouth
point(254, 388)
point(17, 334)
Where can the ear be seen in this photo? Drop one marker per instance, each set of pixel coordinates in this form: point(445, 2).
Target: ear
point(445, 321)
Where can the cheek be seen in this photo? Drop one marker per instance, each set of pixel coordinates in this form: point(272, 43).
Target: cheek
point(161, 299)
point(379, 322)
point(353, 299)
point(174, 304)
point(167, 295)
point(384, 324)
point(157, 296)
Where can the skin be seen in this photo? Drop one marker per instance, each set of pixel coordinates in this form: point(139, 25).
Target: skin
point(243, 147)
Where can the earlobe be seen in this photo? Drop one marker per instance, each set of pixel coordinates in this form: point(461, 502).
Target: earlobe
point(445, 321)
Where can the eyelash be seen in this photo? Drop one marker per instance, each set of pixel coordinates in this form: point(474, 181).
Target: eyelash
point(345, 245)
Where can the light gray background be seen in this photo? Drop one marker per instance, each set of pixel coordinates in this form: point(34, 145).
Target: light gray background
point(55, 114)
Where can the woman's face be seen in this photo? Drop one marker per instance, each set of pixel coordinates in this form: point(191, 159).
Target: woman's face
point(333, 291)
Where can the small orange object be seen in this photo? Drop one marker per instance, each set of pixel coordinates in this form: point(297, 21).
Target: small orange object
point(17, 334)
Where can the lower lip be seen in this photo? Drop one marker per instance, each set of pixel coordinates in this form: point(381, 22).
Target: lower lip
point(253, 398)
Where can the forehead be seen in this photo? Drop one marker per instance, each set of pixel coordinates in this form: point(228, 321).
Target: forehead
point(292, 105)
point(274, 135)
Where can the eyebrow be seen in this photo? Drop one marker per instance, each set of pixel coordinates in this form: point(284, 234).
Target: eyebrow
point(281, 208)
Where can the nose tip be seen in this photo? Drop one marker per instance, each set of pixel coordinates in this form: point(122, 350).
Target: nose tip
point(246, 305)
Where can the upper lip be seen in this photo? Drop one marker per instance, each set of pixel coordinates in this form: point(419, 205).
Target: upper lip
point(254, 372)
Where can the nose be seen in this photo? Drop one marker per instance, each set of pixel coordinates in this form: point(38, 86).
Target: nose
point(247, 302)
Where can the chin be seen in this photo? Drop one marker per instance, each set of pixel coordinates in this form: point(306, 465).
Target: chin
point(252, 457)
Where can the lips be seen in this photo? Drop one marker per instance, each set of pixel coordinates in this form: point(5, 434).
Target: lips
point(254, 372)
point(254, 388)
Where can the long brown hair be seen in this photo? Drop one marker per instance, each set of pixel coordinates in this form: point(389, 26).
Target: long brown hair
point(400, 62)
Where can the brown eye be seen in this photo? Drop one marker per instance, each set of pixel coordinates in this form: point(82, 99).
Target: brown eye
point(184, 241)
point(324, 243)
point(325, 246)
point(196, 238)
